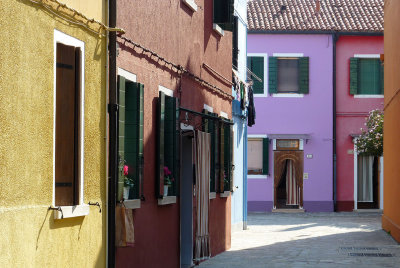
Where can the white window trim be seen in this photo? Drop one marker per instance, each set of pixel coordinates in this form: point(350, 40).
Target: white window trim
point(191, 4)
point(288, 95)
point(301, 144)
point(367, 56)
point(363, 96)
point(224, 115)
point(265, 82)
point(208, 108)
point(218, 29)
point(81, 209)
point(213, 195)
point(128, 75)
point(294, 55)
point(256, 136)
point(259, 177)
point(166, 91)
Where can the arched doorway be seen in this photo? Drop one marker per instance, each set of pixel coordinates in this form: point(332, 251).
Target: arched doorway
point(288, 179)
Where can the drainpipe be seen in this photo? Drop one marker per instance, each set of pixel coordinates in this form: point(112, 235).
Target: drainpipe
point(335, 37)
point(113, 134)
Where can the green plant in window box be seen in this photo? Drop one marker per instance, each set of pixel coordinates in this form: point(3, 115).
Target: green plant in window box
point(168, 180)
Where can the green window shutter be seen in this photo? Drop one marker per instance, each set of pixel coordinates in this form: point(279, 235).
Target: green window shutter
point(170, 138)
point(369, 76)
point(354, 75)
point(217, 159)
point(223, 13)
point(121, 133)
point(205, 123)
point(265, 169)
point(160, 146)
point(177, 150)
point(212, 154)
point(221, 158)
point(227, 157)
point(304, 75)
point(382, 77)
point(257, 67)
point(235, 43)
point(141, 140)
point(272, 75)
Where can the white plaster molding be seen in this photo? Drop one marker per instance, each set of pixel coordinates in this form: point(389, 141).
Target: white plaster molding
point(381, 178)
point(225, 194)
point(213, 195)
point(224, 115)
point(287, 95)
point(260, 136)
point(166, 91)
point(208, 108)
point(71, 212)
point(355, 174)
point(258, 177)
point(294, 55)
point(301, 144)
point(132, 203)
point(360, 96)
point(166, 200)
point(128, 75)
point(218, 29)
point(191, 4)
point(367, 56)
point(274, 144)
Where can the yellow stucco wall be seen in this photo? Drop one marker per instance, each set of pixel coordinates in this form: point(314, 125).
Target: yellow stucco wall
point(29, 235)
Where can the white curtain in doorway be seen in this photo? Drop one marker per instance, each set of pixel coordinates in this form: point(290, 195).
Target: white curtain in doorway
point(202, 244)
point(365, 175)
point(292, 189)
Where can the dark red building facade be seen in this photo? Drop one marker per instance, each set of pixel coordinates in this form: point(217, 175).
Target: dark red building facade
point(173, 61)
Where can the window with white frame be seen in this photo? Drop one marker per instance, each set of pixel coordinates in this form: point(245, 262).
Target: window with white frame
point(257, 156)
point(366, 75)
point(68, 120)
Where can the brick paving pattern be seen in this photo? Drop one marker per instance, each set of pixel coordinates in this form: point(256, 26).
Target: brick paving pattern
point(310, 240)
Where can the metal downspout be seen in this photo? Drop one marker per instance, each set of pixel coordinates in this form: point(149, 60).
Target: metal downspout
point(335, 37)
point(113, 113)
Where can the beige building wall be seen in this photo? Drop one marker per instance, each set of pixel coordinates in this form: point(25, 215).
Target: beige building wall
point(30, 236)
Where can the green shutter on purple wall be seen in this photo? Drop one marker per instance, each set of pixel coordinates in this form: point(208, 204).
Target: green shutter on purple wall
point(354, 75)
point(304, 75)
point(265, 168)
point(272, 75)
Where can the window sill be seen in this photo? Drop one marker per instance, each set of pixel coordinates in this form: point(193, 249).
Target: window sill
point(260, 95)
point(287, 95)
point(368, 96)
point(213, 195)
point(191, 4)
point(257, 176)
point(166, 200)
point(132, 203)
point(225, 194)
point(71, 212)
point(218, 29)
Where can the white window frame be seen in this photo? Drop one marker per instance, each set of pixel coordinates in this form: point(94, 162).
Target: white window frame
point(288, 95)
point(82, 209)
point(363, 96)
point(257, 136)
point(265, 82)
point(166, 90)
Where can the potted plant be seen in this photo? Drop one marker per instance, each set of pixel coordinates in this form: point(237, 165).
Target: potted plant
point(168, 180)
point(128, 182)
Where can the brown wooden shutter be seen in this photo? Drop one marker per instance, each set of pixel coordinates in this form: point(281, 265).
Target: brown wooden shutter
point(67, 138)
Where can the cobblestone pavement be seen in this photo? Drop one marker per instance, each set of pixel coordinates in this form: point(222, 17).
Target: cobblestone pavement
point(310, 240)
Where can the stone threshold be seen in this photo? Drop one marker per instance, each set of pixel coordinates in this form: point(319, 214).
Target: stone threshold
point(288, 210)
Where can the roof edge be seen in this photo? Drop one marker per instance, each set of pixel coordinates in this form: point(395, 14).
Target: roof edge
point(313, 32)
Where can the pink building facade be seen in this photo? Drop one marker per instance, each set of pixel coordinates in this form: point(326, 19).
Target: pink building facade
point(352, 108)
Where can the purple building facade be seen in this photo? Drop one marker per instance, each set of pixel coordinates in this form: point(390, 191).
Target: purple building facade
point(294, 131)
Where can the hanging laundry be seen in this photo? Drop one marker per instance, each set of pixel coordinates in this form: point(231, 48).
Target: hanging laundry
point(251, 109)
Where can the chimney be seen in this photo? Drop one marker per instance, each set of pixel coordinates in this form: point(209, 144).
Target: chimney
point(317, 6)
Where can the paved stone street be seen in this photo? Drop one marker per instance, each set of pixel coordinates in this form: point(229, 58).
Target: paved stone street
point(311, 240)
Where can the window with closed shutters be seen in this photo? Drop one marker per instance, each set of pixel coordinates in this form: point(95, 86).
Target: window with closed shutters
point(67, 124)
